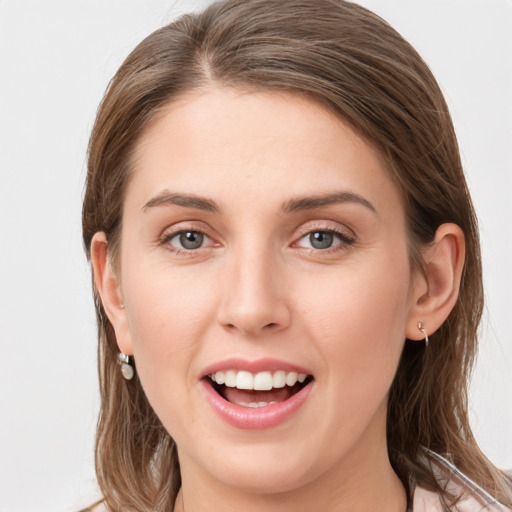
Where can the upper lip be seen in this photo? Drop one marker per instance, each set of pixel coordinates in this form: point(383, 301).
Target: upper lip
point(253, 366)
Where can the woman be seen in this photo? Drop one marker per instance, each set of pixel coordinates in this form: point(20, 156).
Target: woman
point(287, 271)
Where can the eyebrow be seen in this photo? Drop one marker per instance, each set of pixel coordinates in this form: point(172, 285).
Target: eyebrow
point(166, 198)
point(311, 203)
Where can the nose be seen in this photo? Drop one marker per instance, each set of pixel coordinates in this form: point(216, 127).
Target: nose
point(254, 294)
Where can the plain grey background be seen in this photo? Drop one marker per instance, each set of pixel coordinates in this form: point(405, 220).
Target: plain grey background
point(56, 58)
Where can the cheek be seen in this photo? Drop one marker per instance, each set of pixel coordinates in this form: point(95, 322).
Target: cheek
point(166, 301)
point(358, 327)
point(169, 314)
point(358, 321)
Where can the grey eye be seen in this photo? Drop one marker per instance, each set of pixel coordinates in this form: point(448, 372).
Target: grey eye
point(321, 239)
point(190, 239)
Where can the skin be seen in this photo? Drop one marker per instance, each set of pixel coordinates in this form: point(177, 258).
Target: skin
point(258, 288)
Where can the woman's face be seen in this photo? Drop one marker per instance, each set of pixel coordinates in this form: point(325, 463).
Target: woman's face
point(262, 239)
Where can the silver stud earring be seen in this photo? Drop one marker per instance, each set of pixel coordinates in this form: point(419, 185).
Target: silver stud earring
point(422, 329)
point(126, 368)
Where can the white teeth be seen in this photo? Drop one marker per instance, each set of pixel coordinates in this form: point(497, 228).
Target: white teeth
point(291, 379)
point(230, 379)
point(279, 380)
point(262, 381)
point(256, 405)
point(244, 380)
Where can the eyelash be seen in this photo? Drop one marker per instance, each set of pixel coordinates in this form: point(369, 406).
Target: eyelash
point(345, 240)
point(167, 237)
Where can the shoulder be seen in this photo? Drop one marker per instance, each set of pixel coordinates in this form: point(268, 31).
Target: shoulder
point(426, 501)
point(470, 497)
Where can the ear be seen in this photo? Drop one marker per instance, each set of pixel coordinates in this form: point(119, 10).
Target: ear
point(108, 285)
point(435, 291)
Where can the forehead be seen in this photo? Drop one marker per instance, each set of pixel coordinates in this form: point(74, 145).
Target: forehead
point(224, 140)
point(223, 115)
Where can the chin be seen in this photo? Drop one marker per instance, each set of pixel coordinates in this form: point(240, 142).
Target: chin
point(272, 477)
point(261, 468)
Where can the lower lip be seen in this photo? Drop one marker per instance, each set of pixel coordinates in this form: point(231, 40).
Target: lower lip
point(258, 418)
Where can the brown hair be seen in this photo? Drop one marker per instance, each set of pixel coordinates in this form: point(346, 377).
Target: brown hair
point(352, 62)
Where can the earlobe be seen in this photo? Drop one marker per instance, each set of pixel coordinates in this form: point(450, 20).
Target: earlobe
point(436, 289)
point(108, 286)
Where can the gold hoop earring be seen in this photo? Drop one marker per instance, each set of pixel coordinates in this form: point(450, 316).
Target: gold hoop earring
point(422, 329)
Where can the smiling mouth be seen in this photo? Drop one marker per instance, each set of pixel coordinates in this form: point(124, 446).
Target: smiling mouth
point(256, 390)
